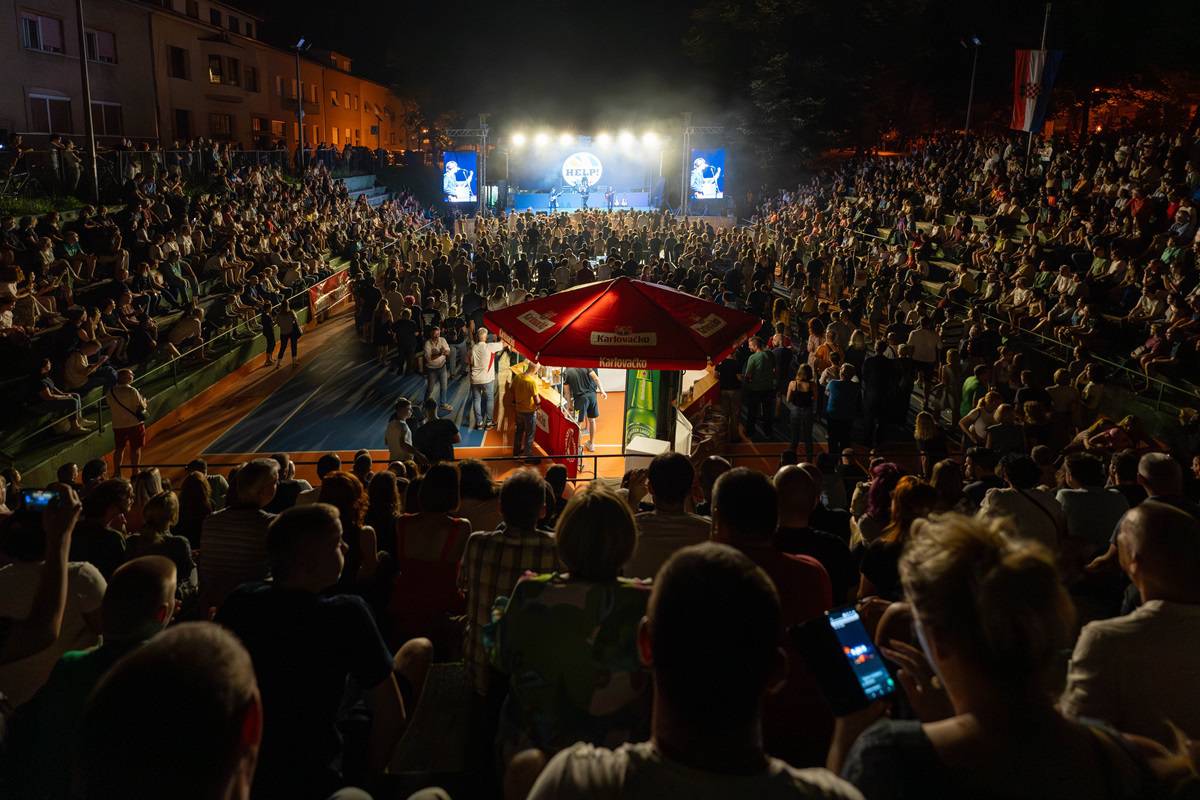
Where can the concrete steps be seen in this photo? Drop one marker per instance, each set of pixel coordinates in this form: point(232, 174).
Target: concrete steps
point(364, 186)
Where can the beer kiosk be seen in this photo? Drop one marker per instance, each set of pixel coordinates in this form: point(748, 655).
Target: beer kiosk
point(665, 340)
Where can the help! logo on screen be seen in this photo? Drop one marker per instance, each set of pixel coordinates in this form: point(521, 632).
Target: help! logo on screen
point(581, 165)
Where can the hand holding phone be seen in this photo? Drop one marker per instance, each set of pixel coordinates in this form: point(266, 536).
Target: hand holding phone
point(849, 669)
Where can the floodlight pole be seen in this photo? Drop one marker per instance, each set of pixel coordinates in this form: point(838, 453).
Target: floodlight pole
point(483, 144)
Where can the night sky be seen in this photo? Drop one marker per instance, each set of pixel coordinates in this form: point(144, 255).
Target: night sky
point(564, 64)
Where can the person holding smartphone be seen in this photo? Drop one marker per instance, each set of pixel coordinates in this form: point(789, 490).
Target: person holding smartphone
point(990, 617)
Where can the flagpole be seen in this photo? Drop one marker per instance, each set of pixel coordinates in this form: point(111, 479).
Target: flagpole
point(1029, 141)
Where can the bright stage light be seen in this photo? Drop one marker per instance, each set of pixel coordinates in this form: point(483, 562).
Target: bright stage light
point(518, 140)
point(625, 138)
point(541, 139)
point(604, 140)
point(565, 138)
point(650, 139)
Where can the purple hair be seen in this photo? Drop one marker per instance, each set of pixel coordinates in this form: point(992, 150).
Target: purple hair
point(884, 478)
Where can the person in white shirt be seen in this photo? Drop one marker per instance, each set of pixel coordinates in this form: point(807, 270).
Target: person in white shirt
point(925, 344)
point(1138, 672)
point(483, 378)
point(398, 436)
point(437, 354)
point(24, 548)
point(706, 725)
point(1035, 513)
point(128, 409)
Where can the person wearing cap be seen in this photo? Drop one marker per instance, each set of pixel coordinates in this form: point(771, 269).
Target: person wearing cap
point(483, 378)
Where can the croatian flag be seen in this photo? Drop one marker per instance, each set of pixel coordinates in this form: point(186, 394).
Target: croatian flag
point(1034, 78)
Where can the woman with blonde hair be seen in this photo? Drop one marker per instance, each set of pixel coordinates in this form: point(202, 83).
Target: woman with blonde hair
point(195, 506)
point(992, 619)
point(564, 688)
point(160, 515)
point(975, 424)
point(931, 441)
point(146, 484)
point(1005, 435)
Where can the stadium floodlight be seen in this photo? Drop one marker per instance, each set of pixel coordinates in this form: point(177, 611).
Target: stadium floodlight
point(518, 139)
point(603, 139)
point(565, 138)
point(541, 139)
point(625, 138)
point(650, 139)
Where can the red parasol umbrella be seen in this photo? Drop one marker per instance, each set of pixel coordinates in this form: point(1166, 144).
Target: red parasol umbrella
point(623, 324)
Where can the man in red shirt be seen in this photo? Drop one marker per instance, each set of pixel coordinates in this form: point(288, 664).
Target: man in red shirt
point(796, 722)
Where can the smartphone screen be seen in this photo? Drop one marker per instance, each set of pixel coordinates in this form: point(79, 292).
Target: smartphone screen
point(38, 499)
point(865, 661)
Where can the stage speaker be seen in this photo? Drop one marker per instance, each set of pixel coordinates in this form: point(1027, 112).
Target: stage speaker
point(501, 195)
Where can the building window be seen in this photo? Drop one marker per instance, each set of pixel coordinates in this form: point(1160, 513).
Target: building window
point(312, 93)
point(220, 126)
point(178, 63)
point(346, 100)
point(334, 131)
point(193, 9)
point(235, 24)
point(316, 135)
point(279, 86)
point(346, 138)
point(183, 124)
point(214, 69)
point(277, 129)
point(41, 33)
point(333, 98)
point(258, 126)
point(233, 73)
point(251, 84)
point(294, 91)
point(214, 16)
point(354, 100)
point(101, 46)
point(50, 114)
point(249, 30)
point(357, 136)
point(106, 119)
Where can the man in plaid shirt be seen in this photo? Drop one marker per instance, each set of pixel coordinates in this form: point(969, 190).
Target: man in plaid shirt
point(494, 560)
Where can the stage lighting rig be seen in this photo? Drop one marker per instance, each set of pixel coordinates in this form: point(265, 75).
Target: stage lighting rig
point(541, 139)
point(625, 138)
point(603, 139)
point(650, 139)
point(565, 138)
point(518, 139)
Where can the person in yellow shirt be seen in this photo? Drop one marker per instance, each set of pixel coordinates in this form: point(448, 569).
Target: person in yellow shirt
point(525, 397)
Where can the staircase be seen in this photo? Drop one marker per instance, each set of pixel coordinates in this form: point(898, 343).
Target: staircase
point(364, 186)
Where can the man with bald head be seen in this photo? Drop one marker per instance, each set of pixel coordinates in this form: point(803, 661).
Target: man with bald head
point(1138, 671)
point(798, 495)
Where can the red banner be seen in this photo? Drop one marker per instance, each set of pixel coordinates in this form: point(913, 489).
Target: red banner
point(555, 433)
point(329, 291)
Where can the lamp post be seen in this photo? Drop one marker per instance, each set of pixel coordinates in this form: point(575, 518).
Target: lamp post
point(975, 42)
point(300, 47)
point(88, 126)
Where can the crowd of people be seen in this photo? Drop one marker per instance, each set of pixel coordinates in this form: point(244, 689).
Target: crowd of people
point(120, 288)
point(1024, 555)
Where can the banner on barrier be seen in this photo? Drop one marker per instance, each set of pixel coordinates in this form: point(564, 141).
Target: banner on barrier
point(329, 291)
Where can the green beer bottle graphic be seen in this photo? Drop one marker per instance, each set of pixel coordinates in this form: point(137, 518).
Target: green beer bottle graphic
point(642, 419)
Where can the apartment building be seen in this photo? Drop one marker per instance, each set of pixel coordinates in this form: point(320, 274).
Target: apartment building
point(39, 54)
point(170, 70)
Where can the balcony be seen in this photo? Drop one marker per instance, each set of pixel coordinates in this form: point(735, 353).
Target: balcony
point(289, 104)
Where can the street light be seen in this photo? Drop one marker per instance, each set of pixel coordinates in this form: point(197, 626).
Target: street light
point(300, 47)
point(974, 42)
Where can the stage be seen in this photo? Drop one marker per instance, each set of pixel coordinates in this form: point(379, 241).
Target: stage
point(570, 201)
